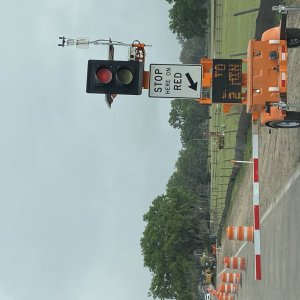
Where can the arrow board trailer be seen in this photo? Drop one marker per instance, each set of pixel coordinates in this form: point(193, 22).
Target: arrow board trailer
point(175, 81)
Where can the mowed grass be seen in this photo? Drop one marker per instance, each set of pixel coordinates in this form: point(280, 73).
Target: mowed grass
point(239, 29)
point(233, 36)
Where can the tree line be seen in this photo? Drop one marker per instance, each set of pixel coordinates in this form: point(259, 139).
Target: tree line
point(188, 18)
point(177, 222)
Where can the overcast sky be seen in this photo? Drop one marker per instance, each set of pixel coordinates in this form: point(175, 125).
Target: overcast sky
point(76, 177)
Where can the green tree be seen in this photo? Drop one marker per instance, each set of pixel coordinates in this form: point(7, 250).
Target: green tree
point(189, 116)
point(193, 49)
point(174, 230)
point(188, 18)
point(177, 115)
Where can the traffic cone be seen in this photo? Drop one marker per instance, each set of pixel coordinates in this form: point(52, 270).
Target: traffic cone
point(240, 233)
point(223, 296)
point(231, 277)
point(228, 288)
point(235, 262)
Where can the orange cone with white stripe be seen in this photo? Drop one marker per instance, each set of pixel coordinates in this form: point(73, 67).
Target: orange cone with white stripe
point(235, 262)
point(228, 288)
point(223, 296)
point(240, 233)
point(231, 277)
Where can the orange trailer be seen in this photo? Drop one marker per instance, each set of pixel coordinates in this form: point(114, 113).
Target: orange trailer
point(264, 87)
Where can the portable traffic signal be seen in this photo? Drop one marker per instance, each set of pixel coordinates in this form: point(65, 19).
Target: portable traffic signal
point(115, 77)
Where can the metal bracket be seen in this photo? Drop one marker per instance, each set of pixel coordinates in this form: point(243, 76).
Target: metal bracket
point(287, 106)
point(283, 9)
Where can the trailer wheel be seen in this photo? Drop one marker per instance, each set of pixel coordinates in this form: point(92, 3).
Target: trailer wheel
point(292, 120)
point(293, 37)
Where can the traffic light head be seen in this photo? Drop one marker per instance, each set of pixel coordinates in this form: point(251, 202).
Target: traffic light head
point(115, 77)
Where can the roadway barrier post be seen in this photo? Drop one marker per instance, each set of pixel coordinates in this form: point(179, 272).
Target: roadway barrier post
point(256, 201)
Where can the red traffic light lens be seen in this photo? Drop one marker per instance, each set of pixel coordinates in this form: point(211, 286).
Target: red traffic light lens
point(104, 75)
point(124, 76)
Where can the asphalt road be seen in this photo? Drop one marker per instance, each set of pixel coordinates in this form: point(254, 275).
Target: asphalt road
point(280, 245)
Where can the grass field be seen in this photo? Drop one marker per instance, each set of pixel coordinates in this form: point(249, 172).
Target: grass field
point(231, 35)
point(237, 30)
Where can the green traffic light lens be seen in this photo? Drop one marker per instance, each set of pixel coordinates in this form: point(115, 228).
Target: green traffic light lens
point(124, 76)
point(104, 75)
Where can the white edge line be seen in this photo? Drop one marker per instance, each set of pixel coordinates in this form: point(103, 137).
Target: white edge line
point(280, 195)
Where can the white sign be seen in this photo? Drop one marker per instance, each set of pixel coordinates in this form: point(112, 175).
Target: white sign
point(175, 81)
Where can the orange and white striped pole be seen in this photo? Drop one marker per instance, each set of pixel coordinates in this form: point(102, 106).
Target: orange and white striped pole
point(240, 233)
point(235, 262)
